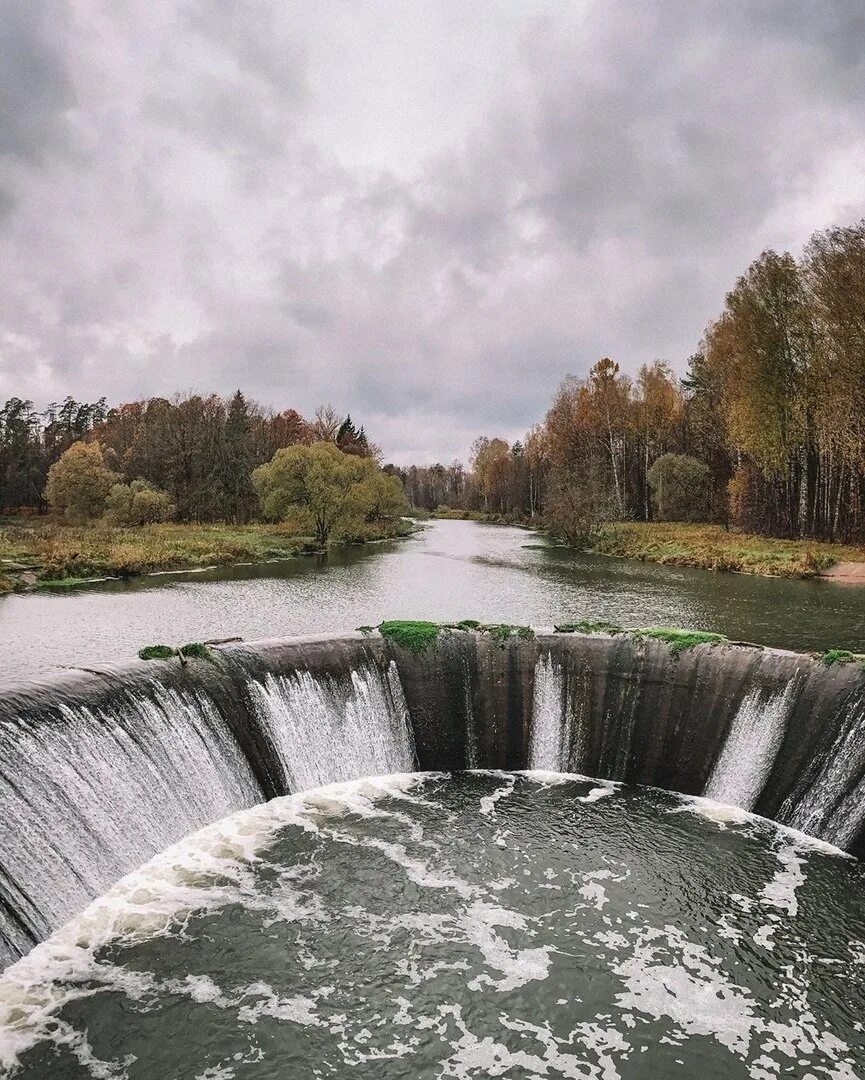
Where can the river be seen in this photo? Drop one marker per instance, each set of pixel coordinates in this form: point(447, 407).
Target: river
point(451, 570)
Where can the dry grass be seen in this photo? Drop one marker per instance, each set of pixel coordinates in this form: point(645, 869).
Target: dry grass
point(711, 547)
point(65, 553)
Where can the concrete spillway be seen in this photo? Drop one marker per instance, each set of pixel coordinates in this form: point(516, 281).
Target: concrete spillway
point(100, 771)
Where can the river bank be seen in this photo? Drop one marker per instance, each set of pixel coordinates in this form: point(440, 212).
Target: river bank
point(707, 547)
point(41, 554)
point(712, 547)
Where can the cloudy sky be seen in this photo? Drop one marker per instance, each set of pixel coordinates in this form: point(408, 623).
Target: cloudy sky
point(426, 213)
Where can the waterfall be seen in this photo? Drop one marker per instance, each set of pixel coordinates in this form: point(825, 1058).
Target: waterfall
point(751, 746)
point(327, 729)
point(549, 745)
point(833, 808)
point(101, 772)
point(90, 793)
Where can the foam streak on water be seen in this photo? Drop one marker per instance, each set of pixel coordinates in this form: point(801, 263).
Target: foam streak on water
point(209, 869)
point(329, 730)
point(366, 930)
point(751, 746)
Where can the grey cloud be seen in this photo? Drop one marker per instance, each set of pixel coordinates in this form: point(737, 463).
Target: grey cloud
point(34, 85)
point(35, 91)
point(624, 170)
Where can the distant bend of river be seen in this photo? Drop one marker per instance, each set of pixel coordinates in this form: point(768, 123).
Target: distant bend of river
point(451, 570)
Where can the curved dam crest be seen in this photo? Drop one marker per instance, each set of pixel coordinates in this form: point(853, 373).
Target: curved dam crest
point(100, 771)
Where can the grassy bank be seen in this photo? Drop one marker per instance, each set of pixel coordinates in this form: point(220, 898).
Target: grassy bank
point(705, 547)
point(44, 554)
point(711, 547)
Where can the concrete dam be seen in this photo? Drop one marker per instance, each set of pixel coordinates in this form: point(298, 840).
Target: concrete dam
point(101, 770)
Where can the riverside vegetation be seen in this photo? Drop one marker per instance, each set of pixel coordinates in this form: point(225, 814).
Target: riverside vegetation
point(753, 462)
point(763, 437)
point(325, 489)
point(49, 554)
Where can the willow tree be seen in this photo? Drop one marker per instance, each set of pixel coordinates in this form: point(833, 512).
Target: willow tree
point(331, 494)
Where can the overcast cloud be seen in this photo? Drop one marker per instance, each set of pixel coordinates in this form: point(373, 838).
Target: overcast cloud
point(425, 213)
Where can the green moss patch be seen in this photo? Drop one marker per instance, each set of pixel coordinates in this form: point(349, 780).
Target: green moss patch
point(842, 656)
point(413, 635)
point(196, 649)
point(502, 631)
point(416, 635)
point(156, 652)
point(678, 640)
point(588, 626)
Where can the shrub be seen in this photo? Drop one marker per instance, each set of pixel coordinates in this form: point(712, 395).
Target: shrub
point(680, 487)
point(575, 508)
point(138, 503)
point(330, 494)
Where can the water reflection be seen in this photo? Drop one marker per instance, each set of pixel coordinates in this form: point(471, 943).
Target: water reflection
point(452, 570)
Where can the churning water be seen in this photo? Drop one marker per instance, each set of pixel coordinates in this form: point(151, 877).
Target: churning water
point(467, 926)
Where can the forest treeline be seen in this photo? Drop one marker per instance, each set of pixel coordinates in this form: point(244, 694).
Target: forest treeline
point(766, 431)
point(197, 453)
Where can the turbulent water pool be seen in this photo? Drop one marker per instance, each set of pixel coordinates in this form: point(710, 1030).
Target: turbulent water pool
point(468, 925)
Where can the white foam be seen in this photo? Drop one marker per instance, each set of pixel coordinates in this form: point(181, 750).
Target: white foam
point(549, 744)
point(327, 729)
point(724, 815)
point(488, 802)
point(517, 966)
point(597, 793)
point(552, 778)
point(474, 1056)
point(208, 869)
point(751, 746)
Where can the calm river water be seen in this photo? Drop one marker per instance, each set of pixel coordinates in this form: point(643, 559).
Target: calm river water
point(452, 570)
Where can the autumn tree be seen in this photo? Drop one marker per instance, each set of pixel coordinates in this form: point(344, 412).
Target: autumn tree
point(78, 484)
point(137, 503)
point(658, 409)
point(704, 433)
point(332, 494)
point(834, 273)
point(490, 466)
point(680, 486)
point(609, 402)
point(537, 463)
